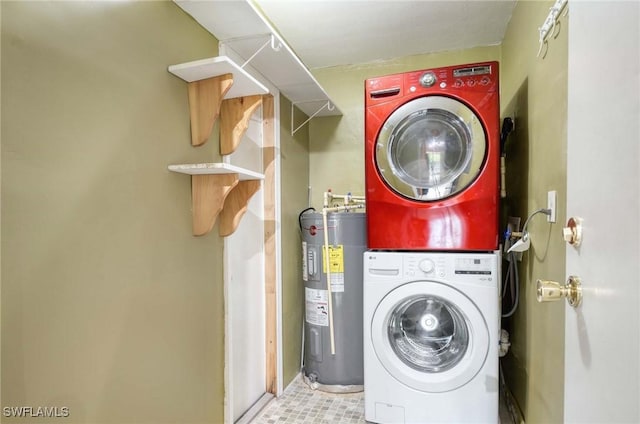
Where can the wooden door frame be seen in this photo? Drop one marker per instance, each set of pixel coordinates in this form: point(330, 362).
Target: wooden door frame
point(272, 232)
point(269, 156)
point(271, 272)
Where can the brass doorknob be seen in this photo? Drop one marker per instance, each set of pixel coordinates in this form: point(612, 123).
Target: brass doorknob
point(549, 291)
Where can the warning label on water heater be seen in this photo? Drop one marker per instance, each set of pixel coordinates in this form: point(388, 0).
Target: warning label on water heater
point(336, 261)
point(317, 307)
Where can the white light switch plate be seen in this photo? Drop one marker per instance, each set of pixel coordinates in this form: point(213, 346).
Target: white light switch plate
point(551, 205)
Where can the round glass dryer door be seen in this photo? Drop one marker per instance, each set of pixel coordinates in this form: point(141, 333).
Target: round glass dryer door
point(430, 148)
point(430, 336)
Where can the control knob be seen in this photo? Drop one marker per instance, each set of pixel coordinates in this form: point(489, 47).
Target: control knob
point(427, 266)
point(427, 79)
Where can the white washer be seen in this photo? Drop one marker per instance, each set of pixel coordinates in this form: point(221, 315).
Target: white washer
point(431, 334)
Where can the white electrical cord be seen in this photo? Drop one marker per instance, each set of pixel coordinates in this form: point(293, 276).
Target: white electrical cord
point(512, 279)
point(525, 241)
point(541, 210)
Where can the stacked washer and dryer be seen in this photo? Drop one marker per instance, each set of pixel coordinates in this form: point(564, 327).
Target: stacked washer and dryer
point(432, 269)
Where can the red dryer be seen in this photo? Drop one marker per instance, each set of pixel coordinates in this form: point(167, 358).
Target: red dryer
point(432, 159)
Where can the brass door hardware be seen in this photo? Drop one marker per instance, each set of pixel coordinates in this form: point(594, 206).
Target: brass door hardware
point(549, 291)
point(572, 233)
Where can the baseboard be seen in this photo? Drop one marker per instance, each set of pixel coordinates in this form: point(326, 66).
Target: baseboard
point(253, 412)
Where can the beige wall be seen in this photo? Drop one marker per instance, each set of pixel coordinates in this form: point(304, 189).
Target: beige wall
point(110, 306)
point(294, 158)
point(337, 143)
point(534, 91)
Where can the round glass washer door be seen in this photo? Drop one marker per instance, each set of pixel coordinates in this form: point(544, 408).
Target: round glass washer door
point(430, 148)
point(430, 336)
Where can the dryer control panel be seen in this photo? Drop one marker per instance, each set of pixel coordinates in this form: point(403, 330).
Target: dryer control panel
point(478, 77)
point(470, 78)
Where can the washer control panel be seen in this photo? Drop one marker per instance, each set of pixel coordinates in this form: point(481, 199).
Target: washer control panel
point(451, 266)
point(419, 265)
point(427, 265)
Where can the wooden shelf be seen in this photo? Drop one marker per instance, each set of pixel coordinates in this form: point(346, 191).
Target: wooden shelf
point(243, 83)
point(218, 87)
point(219, 189)
point(212, 83)
point(216, 168)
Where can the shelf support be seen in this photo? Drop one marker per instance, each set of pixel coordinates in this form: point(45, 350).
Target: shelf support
point(205, 99)
point(208, 194)
point(234, 121)
point(236, 205)
point(274, 47)
point(327, 105)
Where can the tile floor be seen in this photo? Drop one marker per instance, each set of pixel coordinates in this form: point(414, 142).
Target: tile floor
point(299, 404)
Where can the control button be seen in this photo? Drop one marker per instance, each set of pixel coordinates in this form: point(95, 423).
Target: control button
point(412, 89)
point(428, 79)
point(427, 266)
point(459, 83)
point(443, 84)
point(471, 82)
point(485, 81)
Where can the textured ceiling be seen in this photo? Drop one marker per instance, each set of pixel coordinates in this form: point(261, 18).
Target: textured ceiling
point(330, 32)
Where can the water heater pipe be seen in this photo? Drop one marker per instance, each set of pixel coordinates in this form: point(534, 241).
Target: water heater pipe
point(328, 266)
point(347, 198)
point(343, 208)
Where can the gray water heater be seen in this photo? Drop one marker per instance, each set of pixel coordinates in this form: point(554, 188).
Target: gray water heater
point(344, 370)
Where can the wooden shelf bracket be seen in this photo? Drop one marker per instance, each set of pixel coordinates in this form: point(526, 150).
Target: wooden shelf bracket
point(208, 194)
point(234, 121)
point(218, 87)
point(219, 189)
point(236, 205)
point(205, 100)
